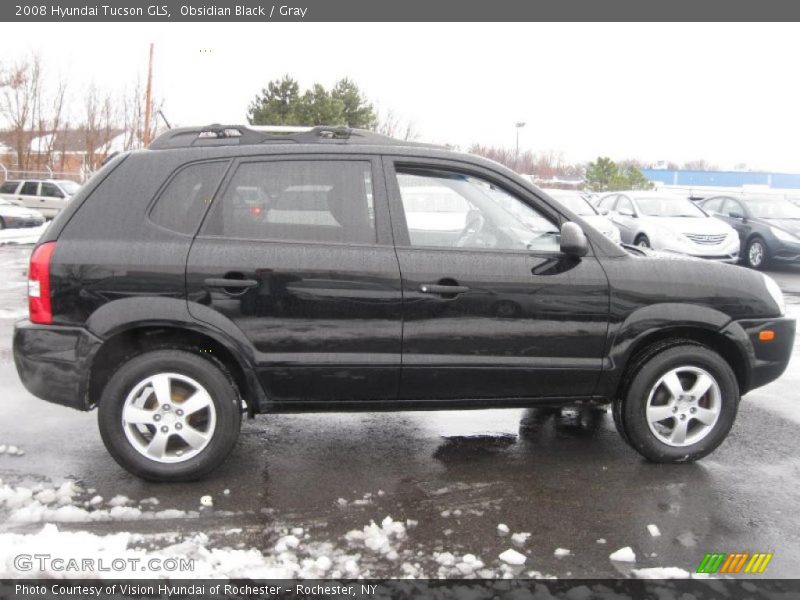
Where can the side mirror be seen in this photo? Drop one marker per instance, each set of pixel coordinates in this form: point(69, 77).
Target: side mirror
point(736, 215)
point(604, 211)
point(573, 240)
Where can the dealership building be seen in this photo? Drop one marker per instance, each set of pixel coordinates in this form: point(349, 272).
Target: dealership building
point(704, 183)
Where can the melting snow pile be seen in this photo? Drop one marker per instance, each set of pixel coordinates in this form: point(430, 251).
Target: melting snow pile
point(61, 505)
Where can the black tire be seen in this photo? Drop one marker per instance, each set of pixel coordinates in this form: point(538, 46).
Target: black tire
point(630, 412)
point(756, 247)
point(642, 240)
point(208, 373)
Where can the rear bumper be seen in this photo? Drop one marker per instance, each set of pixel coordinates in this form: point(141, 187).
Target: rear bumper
point(765, 360)
point(53, 362)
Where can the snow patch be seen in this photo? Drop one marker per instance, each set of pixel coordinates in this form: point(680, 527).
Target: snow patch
point(520, 538)
point(512, 557)
point(654, 530)
point(561, 552)
point(661, 573)
point(625, 554)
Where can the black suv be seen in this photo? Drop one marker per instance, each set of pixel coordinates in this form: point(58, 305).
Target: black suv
point(226, 271)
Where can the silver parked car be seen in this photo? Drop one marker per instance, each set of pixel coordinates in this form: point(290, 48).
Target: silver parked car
point(48, 196)
point(13, 216)
point(579, 203)
point(670, 223)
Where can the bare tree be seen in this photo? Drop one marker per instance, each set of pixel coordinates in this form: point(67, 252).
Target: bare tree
point(31, 110)
point(133, 116)
point(97, 127)
point(390, 124)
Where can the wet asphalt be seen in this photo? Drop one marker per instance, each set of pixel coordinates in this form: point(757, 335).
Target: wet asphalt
point(564, 476)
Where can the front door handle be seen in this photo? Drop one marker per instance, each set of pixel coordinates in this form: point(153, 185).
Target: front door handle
point(435, 288)
point(241, 284)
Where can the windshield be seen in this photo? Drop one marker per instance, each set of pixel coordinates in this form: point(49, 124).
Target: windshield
point(653, 206)
point(773, 208)
point(575, 203)
point(70, 187)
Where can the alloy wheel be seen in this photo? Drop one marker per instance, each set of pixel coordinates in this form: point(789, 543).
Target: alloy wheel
point(169, 418)
point(683, 406)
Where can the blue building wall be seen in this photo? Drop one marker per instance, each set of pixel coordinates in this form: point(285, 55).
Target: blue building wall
point(723, 178)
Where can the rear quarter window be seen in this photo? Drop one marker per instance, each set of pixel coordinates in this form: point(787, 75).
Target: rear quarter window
point(9, 187)
point(183, 201)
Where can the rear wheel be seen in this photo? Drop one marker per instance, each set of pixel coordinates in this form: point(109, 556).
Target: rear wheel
point(642, 241)
point(755, 255)
point(169, 415)
point(680, 405)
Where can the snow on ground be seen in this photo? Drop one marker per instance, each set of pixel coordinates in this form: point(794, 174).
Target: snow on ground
point(11, 450)
point(22, 236)
point(625, 554)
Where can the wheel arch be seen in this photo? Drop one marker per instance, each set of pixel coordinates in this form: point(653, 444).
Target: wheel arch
point(657, 341)
point(125, 342)
point(658, 326)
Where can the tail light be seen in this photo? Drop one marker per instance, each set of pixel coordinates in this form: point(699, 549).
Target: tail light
point(39, 305)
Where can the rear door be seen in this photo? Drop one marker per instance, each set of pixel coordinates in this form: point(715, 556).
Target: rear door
point(296, 253)
point(28, 195)
point(492, 308)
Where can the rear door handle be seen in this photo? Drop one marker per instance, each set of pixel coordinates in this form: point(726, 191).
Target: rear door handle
point(230, 283)
point(435, 288)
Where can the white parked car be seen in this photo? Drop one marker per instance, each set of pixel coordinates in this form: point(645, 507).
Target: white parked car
point(48, 196)
point(13, 216)
point(670, 223)
point(579, 203)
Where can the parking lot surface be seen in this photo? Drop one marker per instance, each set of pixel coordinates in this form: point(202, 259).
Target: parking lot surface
point(459, 482)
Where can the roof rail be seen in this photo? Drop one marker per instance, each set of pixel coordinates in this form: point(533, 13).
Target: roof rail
point(240, 135)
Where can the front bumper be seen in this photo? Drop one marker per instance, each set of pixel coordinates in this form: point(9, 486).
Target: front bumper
point(785, 252)
point(53, 362)
point(765, 360)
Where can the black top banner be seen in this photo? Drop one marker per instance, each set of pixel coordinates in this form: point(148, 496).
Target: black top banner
point(398, 10)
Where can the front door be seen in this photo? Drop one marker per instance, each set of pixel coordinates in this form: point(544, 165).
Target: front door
point(492, 309)
point(297, 254)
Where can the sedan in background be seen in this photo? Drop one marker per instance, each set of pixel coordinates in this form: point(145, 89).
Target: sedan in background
point(14, 216)
point(769, 228)
point(580, 205)
point(672, 224)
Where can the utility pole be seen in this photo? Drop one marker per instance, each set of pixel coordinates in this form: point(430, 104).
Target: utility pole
point(519, 125)
point(148, 99)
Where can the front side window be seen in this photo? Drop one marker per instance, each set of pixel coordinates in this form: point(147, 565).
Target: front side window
point(51, 191)
point(732, 207)
point(297, 200)
point(625, 206)
point(713, 205)
point(181, 205)
point(454, 210)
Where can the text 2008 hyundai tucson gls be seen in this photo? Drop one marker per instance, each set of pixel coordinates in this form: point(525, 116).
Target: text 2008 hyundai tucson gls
point(226, 270)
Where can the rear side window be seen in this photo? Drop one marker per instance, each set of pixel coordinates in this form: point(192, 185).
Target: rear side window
point(29, 188)
point(9, 187)
point(181, 205)
point(297, 200)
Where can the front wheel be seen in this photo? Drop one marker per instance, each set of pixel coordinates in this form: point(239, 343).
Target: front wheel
point(680, 405)
point(756, 253)
point(169, 415)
